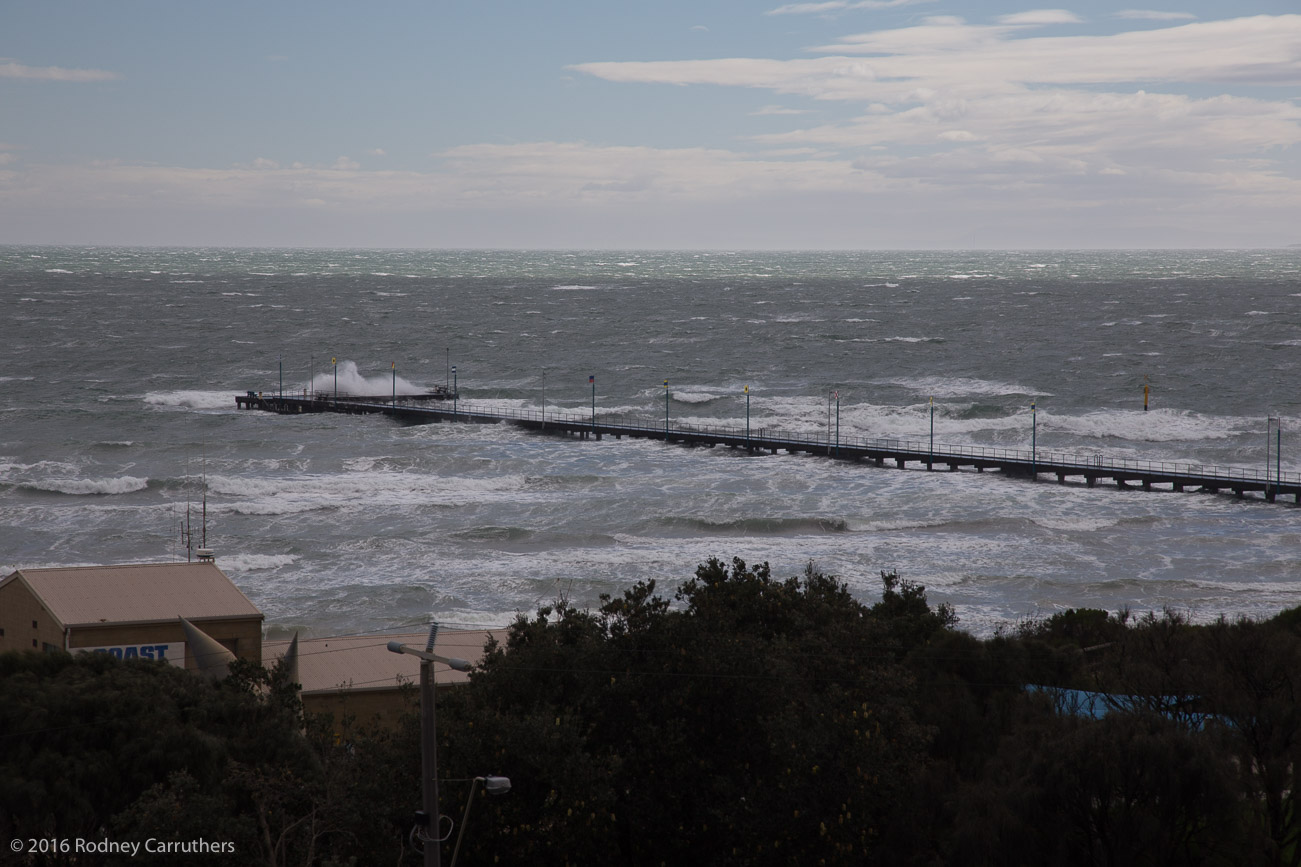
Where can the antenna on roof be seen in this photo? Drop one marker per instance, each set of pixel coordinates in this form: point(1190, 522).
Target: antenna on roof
point(203, 545)
point(186, 535)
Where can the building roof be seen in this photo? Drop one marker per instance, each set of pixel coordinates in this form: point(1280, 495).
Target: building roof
point(102, 595)
point(364, 662)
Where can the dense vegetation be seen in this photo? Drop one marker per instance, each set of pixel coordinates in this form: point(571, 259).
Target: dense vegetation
point(746, 719)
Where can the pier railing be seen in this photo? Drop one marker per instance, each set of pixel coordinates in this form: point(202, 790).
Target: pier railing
point(918, 450)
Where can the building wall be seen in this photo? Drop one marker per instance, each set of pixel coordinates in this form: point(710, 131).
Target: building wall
point(377, 707)
point(19, 609)
point(374, 707)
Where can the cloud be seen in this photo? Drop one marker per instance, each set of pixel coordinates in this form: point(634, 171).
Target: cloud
point(769, 110)
point(377, 152)
point(1037, 17)
point(946, 53)
point(839, 6)
point(940, 122)
point(1154, 15)
point(13, 69)
point(992, 109)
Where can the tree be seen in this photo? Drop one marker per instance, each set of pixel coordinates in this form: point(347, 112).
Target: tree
point(767, 720)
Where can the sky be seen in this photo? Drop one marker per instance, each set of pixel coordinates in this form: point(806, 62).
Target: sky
point(679, 124)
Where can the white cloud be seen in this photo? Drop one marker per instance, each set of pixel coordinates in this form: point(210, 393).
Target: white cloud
point(769, 110)
point(840, 6)
point(377, 152)
point(1037, 17)
point(990, 110)
point(947, 53)
point(1154, 15)
point(13, 69)
point(948, 122)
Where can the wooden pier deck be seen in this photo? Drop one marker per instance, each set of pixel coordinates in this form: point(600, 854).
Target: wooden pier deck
point(442, 406)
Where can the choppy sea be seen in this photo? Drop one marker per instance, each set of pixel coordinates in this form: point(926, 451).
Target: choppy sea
point(119, 370)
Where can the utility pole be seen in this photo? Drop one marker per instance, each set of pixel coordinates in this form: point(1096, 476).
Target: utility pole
point(428, 820)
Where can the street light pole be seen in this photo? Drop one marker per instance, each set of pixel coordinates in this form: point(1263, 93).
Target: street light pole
point(1276, 424)
point(429, 838)
point(666, 410)
point(930, 461)
point(491, 785)
point(837, 422)
point(1034, 449)
point(747, 416)
point(456, 391)
point(828, 422)
point(592, 380)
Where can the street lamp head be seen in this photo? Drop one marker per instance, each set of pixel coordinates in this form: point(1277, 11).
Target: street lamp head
point(496, 785)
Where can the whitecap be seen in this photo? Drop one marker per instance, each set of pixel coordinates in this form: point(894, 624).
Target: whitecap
point(192, 399)
point(117, 485)
point(251, 562)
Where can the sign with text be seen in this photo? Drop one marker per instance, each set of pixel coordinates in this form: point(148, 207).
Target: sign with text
point(173, 652)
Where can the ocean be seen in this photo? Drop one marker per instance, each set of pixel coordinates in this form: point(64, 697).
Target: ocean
point(119, 369)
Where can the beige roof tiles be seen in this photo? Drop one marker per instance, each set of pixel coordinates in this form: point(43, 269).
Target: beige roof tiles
point(90, 595)
point(363, 662)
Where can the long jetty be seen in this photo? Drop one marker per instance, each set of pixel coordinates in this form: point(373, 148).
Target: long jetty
point(443, 405)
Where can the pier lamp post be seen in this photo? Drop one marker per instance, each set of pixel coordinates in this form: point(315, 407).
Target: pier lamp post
point(666, 410)
point(930, 461)
point(429, 815)
point(335, 362)
point(456, 391)
point(747, 416)
point(1274, 425)
point(394, 365)
point(837, 422)
point(592, 381)
point(282, 377)
point(829, 395)
point(1034, 449)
